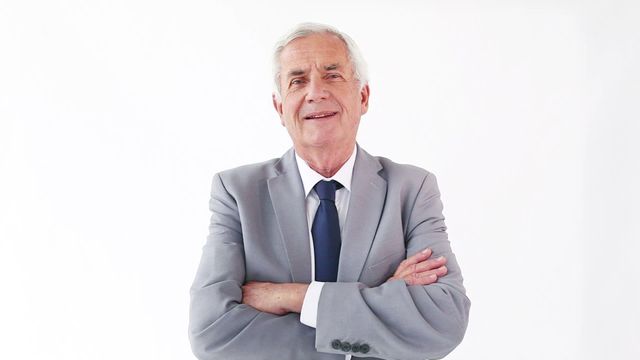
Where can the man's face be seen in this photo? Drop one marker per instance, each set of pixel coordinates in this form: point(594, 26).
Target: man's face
point(321, 100)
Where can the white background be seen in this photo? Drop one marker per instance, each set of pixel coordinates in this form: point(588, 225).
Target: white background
point(114, 115)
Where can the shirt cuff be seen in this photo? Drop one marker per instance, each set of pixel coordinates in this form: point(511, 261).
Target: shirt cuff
point(309, 312)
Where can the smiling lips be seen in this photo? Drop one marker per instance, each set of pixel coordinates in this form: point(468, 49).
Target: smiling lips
point(320, 115)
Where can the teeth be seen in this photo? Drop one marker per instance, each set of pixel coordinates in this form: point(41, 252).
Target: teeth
point(320, 116)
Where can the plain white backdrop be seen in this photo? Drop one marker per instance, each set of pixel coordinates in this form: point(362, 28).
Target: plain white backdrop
point(114, 115)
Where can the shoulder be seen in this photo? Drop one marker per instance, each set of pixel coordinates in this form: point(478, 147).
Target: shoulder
point(402, 174)
point(254, 177)
point(405, 178)
point(402, 180)
point(394, 169)
point(408, 179)
point(248, 175)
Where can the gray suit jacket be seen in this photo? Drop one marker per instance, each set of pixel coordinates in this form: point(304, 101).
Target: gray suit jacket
point(259, 232)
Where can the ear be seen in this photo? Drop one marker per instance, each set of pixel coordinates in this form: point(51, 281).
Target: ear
point(277, 104)
point(364, 99)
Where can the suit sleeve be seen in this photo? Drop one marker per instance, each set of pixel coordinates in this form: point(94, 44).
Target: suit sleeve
point(220, 326)
point(394, 320)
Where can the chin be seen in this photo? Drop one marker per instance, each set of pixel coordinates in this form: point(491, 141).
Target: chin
point(326, 143)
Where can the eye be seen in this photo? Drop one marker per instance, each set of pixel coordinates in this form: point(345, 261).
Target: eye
point(296, 82)
point(334, 76)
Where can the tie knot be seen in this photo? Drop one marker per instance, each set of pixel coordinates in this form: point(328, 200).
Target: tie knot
point(326, 190)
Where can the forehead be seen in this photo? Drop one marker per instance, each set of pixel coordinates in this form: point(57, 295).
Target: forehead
point(315, 49)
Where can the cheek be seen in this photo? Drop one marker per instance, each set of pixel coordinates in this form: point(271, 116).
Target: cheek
point(289, 120)
point(354, 108)
point(291, 107)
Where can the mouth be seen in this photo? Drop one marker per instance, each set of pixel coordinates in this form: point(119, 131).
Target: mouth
point(320, 115)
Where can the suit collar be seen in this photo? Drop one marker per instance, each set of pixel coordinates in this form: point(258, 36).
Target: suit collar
point(288, 199)
point(368, 193)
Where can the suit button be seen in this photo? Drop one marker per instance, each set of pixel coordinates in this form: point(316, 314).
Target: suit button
point(346, 347)
point(364, 348)
point(336, 344)
point(355, 347)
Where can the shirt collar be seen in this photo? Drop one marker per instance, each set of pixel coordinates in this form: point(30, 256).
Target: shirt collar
point(310, 177)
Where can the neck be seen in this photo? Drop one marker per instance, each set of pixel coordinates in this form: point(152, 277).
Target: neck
point(325, 162)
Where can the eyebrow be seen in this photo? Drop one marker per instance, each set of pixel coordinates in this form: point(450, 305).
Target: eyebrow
point(298, 72)
point(295, 73)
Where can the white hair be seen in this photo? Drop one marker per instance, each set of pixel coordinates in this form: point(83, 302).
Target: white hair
point(306, 29)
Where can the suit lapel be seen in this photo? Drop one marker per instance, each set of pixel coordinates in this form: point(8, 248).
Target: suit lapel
point(368, 193)
point(288, 199)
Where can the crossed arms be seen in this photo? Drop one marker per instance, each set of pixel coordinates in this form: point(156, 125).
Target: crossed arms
point(283, 298)
point(411, 315)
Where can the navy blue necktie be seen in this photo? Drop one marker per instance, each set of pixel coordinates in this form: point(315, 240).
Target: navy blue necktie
point(326, 232)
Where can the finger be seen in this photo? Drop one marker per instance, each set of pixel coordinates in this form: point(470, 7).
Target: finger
point(426, 277)
point(420, 279)
point(441, 271)
point(412, 260)
point(423, 266)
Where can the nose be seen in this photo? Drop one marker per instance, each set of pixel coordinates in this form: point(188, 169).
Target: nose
point(316, 91)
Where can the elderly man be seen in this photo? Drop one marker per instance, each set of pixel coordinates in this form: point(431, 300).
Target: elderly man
point(327, 252)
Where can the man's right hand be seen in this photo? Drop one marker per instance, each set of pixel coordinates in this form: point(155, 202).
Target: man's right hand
point(420, 270)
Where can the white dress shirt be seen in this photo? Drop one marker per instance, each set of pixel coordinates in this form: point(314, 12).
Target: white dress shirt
point(310, 178)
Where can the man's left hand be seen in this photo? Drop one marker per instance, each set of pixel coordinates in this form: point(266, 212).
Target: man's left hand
point(420, 269)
